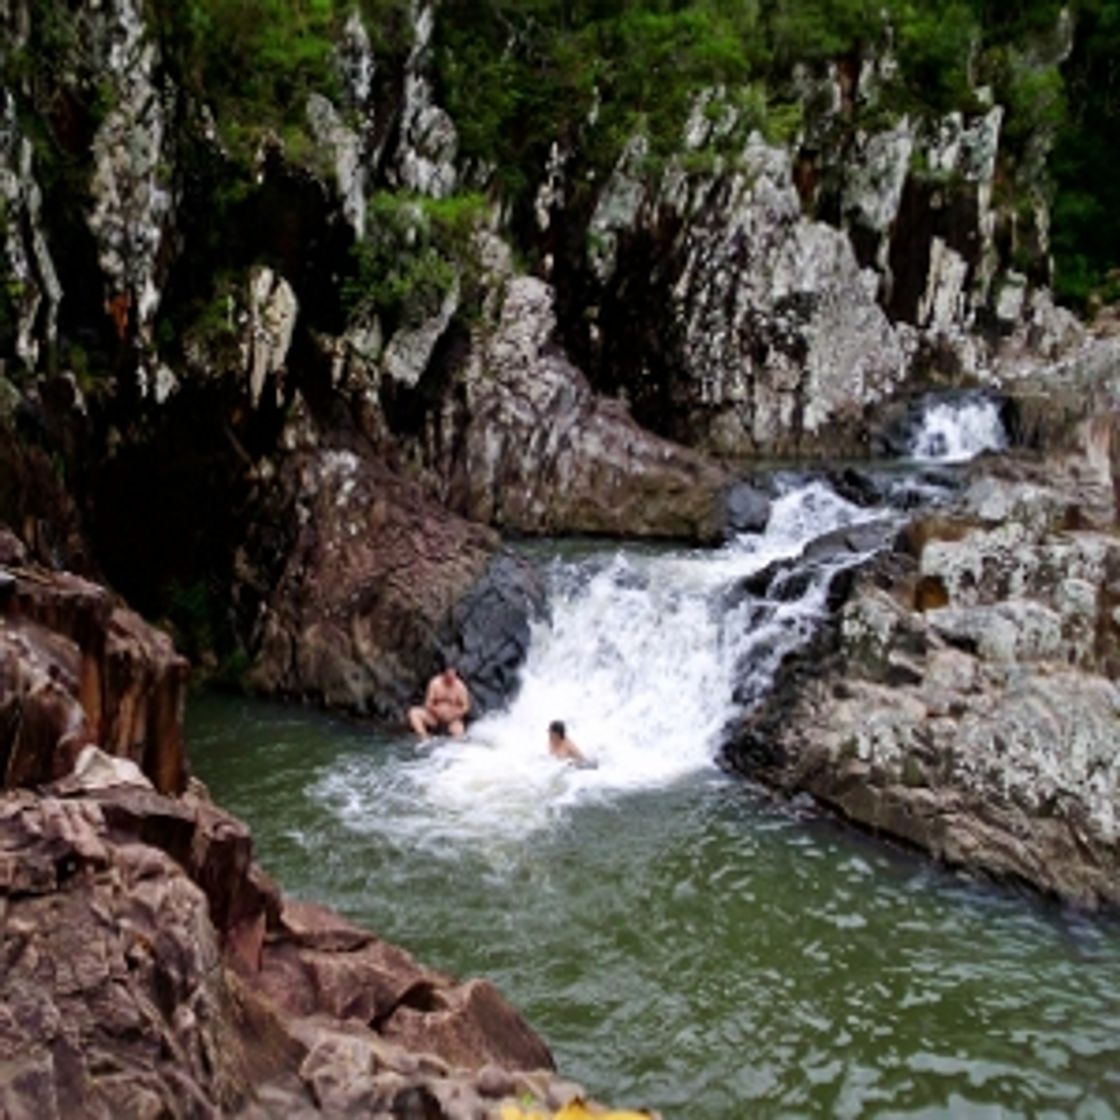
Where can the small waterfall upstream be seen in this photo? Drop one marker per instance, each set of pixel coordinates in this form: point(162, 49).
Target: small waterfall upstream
point(956, 430)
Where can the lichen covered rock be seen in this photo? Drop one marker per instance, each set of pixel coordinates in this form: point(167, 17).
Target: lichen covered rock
point(967, 699)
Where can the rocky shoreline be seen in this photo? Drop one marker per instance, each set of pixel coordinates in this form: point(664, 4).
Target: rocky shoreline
point(150, 966)
point(963, 697)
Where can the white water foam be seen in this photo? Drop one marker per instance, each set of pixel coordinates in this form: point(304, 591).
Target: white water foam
point(957, 431)
point(641, 658)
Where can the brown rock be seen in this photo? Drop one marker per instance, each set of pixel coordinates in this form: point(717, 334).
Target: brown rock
point(369, 589)
point(470, 1026)
point(75, 669)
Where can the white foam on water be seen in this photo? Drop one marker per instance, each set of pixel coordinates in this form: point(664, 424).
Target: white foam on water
point(957, 431)
point(641, 658)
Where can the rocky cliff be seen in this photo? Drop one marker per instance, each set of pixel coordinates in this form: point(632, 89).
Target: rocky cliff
point(231, 263)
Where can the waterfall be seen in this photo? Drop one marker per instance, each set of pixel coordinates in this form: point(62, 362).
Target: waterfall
point(954, 431)
point(647, 655)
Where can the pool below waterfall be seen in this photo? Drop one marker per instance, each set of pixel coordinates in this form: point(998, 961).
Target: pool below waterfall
point(680, 940)
point(697, 949)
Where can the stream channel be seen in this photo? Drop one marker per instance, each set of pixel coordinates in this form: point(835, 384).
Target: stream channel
point(682, 941)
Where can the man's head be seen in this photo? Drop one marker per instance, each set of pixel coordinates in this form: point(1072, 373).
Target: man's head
point(557, 730)
point(450, 674)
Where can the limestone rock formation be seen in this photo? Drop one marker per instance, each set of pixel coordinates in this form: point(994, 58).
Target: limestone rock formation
point(967, 700)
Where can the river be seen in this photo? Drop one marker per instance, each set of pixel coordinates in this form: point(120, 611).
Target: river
point(680, 940)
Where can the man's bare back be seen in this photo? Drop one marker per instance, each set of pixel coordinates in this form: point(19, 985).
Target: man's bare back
point(445, 707)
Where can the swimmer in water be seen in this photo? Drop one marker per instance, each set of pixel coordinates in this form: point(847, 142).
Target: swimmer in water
point(561, 747)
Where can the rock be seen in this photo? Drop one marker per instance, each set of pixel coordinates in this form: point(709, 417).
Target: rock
point(748, 509)
point(374, 583)
point(125, 989)
point(343, 142)
point(409, 350)
point(132, 201)
point(34, 281)
point(79, 670)
point(966, 699)
point(272, 316)
point(543, 454)
point(470, 1026)
point(95, 769)
point(429, 142)
point(851, 541)
point(487, 634)
point(113, 997)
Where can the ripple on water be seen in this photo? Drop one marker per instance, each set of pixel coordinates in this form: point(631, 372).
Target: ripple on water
point(691, 947)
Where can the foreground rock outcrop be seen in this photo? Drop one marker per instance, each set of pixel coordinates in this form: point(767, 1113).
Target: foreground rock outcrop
point(150, 968)
point(965, 700)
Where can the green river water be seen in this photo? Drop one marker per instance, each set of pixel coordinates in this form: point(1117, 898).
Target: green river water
point(693, 947)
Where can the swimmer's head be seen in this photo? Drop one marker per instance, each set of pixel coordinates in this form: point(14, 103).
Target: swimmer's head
point(557, 730)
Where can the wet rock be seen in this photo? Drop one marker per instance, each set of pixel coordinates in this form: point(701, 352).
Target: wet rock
point(375, 583)
point(851, 541)
point(748, 509)
point(488, 631)
point(966, 699)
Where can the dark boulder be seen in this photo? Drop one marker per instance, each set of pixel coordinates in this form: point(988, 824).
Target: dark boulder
point(488, 631)
point(748, 508)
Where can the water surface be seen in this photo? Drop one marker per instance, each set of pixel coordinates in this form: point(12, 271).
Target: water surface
point(692, 947)
point(680, 940)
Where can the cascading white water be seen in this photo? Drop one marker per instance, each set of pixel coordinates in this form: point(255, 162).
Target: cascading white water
point(641, 657)
point(958, 430)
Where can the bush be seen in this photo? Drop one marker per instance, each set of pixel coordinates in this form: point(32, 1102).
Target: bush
point(414, 251)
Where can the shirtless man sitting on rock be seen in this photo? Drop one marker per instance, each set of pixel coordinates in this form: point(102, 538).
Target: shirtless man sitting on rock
point(445, 707)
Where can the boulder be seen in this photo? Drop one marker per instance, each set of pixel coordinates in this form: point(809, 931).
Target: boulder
point(377, 584)
point(748, 509)
point(966, 698)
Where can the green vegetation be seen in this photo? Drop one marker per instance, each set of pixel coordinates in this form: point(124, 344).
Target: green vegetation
point(1086, 211)
point(414, 250)
point(254, 62)
point(518, 74)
